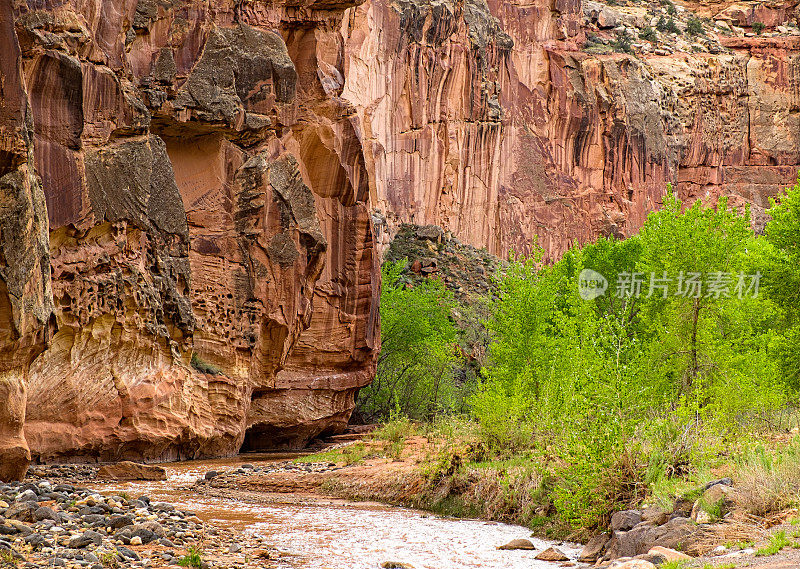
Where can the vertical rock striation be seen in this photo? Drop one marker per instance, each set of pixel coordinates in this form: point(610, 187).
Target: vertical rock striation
point(489, 118)
point(25, 300)
point(210, 240)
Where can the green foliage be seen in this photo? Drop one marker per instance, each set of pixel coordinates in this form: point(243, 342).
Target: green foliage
point(419, 350)
point(674, 564)
point(193, 558)
point(109, 559)
point(694, 27)
point(397, 429)
point(7, 559)
point(648, 34)
point(782, 258)
point(777, 541)
point(758, 27)
point(671, 9)
point(622, 42)
point(203, 366)
point(579, 380)
point(667, 25)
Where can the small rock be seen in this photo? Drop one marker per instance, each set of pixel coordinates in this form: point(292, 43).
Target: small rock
point(127, 553)
point(211, 474)
point(723, 481)
point(396, 565)
point(518, 544)
point(27, 496)
point(668, 554)
point(552, 554)
point(22, 511)
point(118, 522)
point(88, 538)
point(136, 540)
point(44, 513)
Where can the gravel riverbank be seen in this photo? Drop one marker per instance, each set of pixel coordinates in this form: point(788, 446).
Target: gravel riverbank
point(50, 524)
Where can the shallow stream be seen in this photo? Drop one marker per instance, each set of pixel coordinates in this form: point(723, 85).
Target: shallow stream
point(317, 533)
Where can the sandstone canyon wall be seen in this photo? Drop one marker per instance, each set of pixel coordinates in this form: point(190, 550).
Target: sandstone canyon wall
point(210, 247)
point(500, 121)
point(194, 194)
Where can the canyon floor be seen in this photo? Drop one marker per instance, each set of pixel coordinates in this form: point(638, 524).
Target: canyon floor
point(352, 505)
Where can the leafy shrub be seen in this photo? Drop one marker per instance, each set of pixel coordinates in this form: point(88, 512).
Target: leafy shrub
point(419, 350)
point(648, 34)
point(672, 27)
point(193, 558)
point(622, 43)
point(694, 27)
point(758, 27)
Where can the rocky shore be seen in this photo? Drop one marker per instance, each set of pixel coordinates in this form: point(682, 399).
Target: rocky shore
point(48, 524)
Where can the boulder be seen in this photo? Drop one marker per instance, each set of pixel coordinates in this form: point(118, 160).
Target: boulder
point(717, 494)
point(518, 544)
point(592, 550)
point(654, 516)
point(127, 470)
point(625, 520)
point(552, 554)
point(644, 537)
point(607, 18)
point(667, 554)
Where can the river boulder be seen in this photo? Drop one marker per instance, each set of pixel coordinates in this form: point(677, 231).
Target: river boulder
point(518, 544)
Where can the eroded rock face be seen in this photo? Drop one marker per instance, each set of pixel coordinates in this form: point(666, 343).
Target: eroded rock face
point(210, 238)
point(25, 300)
point(220, 180)
point(491, 120)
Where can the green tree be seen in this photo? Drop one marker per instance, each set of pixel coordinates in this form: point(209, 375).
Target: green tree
point(687, 250)
point(418, 353)
point(783, 278)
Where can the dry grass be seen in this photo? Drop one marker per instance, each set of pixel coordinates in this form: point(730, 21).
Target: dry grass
point(766, 489)
point(736, 528)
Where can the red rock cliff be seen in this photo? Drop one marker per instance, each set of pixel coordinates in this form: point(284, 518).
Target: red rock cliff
point(210, 241)
point(218, 178)
point(506, 119)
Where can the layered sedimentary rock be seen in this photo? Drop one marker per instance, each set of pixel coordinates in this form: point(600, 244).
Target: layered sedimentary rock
point(219, 180)
point(210, 239)
point(494, 121)
point(25, 300)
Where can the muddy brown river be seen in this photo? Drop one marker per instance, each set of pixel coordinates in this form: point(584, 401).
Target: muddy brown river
point(317, 533)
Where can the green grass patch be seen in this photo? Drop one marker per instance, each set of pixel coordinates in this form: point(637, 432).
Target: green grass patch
point(674, 564)
point(777, 542)
point(193, 558)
